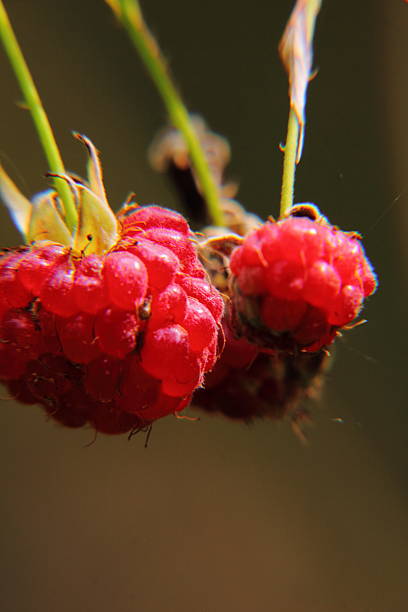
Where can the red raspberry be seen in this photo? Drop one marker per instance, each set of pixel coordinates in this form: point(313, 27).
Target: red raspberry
point(116, 337)
point(272, 386)
point(296, 282)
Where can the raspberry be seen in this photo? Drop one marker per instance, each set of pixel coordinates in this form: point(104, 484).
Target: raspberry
point(272, 386)
point(296, 282)
point(116, 335)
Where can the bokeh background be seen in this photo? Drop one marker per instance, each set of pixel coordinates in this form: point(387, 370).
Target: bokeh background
point(218, 516)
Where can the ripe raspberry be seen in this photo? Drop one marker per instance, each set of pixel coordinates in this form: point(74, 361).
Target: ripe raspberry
point(116, 335)
point(272, 386)
point(296, 282)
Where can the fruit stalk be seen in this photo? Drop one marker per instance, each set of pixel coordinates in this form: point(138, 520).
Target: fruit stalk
point(289, 164)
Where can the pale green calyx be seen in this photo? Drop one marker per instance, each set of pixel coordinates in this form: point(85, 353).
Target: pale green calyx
point(43, 218)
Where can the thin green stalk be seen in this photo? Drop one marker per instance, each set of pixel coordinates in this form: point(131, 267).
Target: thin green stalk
point(289, 164)
point(130, 15)
point(38, 114)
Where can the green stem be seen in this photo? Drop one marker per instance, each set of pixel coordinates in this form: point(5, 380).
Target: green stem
point(130, 15)
point(289, 164)
point(38, 114)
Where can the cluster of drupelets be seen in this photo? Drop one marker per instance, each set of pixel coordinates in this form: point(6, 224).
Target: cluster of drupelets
point(117, 340)
point(241, 320)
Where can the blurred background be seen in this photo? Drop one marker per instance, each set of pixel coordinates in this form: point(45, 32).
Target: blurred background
point(219, 516)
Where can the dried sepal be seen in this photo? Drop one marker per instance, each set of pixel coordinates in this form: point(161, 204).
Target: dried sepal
point(224, 245)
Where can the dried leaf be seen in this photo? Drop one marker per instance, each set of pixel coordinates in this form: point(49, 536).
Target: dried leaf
point(296, 52)
point(224, 245)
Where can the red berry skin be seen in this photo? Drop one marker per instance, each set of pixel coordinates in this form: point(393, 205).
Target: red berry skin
point(184, 381)
point(90, 291)
point(200, 325)
point(47, 324)
point(146, 217)
point(174, 241)
point(314, 328)
point(285, 279)
point(172, 345)
point(56, 294)
point(51, 377)
point(103, 378)
point(116, 332)
point(322, 284)
point(253, 280)
point(178, 369)
point(37, 264)
point(232, 356)
point(168, 306)
point(18, 329)
point(297, 281)
point(282, 315)
point(71, 410)
point(161, 263)
point(126, 279)
point(347, 305)
point(139, 391)
point(19, 390)
point(77, 337)
point(108, 419)
point(13, 362)
point(205, 293)
point(13, 294)
point(236, 352)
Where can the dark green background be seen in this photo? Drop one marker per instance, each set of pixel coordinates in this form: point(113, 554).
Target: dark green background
point(216, 516)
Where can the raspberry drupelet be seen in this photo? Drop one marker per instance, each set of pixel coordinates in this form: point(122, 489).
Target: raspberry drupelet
point(115, 326)
point(298, 281)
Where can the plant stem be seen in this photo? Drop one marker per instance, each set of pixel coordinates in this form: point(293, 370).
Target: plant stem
point(289, 164)
point(130, 15)
point(38, 114)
